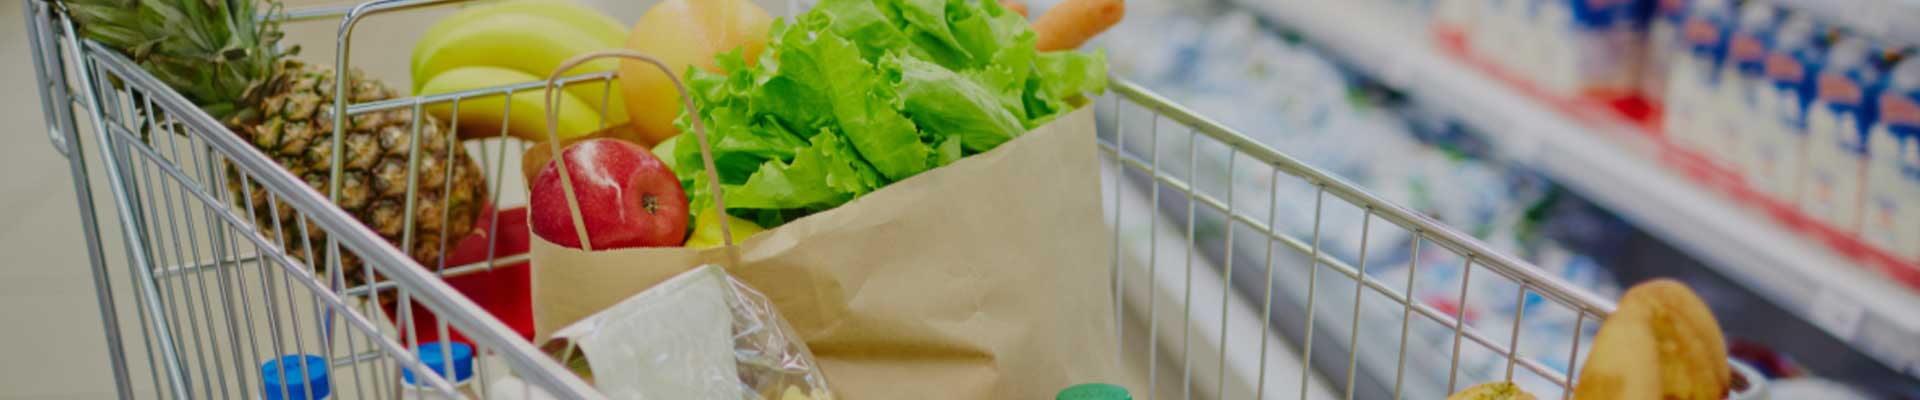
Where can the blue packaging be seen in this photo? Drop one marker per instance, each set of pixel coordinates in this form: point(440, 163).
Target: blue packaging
point(1837, 127)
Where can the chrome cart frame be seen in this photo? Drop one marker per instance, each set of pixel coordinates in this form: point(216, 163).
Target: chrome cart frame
point(213, 295)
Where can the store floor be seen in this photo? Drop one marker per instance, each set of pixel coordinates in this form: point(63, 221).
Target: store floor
point(52, 346)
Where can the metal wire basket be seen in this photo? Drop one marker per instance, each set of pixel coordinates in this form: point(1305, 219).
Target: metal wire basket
point(213, 296)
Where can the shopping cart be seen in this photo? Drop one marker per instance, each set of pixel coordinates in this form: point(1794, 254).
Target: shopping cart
point(214, 296)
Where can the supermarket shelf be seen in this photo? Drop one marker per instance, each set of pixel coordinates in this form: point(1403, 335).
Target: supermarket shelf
point(1885, 19)
point(1616, 166)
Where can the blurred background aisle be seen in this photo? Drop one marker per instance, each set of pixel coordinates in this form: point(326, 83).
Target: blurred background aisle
point(1537, 126)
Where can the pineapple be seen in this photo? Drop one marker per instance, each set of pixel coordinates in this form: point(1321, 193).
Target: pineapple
point(220, 57)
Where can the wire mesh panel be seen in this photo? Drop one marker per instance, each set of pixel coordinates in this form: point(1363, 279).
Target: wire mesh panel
point(222, 294)
point(1328, 267)
point(239, 270)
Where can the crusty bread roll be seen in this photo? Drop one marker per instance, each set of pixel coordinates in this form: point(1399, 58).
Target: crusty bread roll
point(1624, 360)
point(1661, 343)
point(1493, 391)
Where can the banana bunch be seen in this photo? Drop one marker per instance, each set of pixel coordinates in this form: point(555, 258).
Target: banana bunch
point(706, 231)
point(519, 41)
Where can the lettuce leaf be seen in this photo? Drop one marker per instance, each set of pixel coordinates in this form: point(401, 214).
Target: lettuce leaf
point(871, 24)
point(948, 104)
point(926, 24)
point(824, 174)
point(857, 94)
point(826, 71)
point(1070, 73)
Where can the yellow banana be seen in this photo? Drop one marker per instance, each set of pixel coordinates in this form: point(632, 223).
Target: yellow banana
point(706, 230)
point(610, 32)
point(529, 43)
point(527, 118)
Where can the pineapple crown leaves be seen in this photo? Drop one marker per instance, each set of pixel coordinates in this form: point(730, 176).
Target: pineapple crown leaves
point(217, 53)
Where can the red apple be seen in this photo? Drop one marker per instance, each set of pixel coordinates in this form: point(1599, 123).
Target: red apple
point(628, 198)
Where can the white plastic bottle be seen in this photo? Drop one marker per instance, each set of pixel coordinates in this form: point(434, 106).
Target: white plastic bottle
point(1837, 123)
point(1590, 48)
point(1555, 48)
point(438, 356)
point(1692, 78)
point(1910, 168)
point(1741, 79)
point(295, 377)
point(508, 387)
point(1495, 38)
point(1778, 155)
point(1663, 45)
point(1892, 206)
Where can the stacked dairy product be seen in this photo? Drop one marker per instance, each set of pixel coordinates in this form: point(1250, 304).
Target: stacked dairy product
point(1891, 200)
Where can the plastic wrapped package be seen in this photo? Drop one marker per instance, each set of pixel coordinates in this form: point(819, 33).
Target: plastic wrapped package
point(700, 335)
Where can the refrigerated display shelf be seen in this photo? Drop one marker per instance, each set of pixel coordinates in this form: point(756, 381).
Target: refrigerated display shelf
point(1613, 162)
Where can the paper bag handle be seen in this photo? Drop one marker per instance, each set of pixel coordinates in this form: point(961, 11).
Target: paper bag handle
point(560, 159)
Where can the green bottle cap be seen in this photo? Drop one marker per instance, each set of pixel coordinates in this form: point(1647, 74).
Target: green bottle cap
point(1094, 391)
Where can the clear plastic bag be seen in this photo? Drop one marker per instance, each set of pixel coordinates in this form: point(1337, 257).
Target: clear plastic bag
point(700, 335)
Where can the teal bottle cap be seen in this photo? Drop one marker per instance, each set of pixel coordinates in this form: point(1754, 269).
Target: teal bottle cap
point(1094, 391)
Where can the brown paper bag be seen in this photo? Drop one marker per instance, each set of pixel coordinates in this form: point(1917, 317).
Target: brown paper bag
point(984, 279)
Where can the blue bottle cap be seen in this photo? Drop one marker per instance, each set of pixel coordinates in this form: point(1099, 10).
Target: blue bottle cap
point(295, 377)
point(434, 355)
